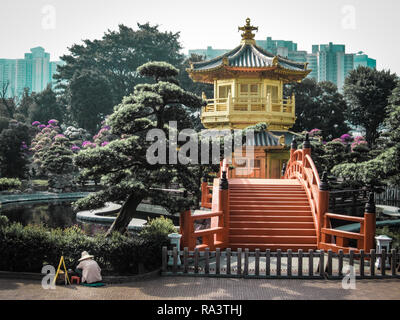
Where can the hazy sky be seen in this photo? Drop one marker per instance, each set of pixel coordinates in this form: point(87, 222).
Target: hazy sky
point(362, 25)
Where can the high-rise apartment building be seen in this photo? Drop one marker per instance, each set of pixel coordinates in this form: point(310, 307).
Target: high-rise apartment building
point(274, 46)
point(312, 59)
point(333, 63)
point(208, 53)
point(284, 48)
point(35, 72)
point(362, 59)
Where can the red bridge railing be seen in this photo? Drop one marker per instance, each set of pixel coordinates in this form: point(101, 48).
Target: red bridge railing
point(302, 168)
point(216, 198)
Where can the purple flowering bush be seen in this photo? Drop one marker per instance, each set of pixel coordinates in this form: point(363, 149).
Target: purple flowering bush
point(346, 138)
point(104, 136)
point(46, 137)
point(315, 132)
point(75, 148)
point(88, 145)
point(359, 144)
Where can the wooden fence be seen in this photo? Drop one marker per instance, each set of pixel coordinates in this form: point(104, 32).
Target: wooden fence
point(390, 196)
point(288, 264)
point(340, 200)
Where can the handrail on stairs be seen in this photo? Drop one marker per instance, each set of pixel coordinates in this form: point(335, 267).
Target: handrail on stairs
point(302, 167)
point(218, 233)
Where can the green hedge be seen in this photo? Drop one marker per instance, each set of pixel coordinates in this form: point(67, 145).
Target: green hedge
point(9, 183)
point(27, 249)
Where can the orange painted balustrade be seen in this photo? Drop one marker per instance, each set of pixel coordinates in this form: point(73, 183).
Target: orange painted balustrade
point(288, 213)
point(206, 194)
point(217, 235)
point(301, 167)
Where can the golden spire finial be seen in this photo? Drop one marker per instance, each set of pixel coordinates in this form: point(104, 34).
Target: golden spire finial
point(248, 28)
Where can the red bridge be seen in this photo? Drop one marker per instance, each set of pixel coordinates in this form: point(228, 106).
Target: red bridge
point(287, 213)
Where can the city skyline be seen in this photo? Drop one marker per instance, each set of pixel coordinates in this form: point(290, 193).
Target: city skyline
point(21, 73)
point(360, 25)
point(35, 71)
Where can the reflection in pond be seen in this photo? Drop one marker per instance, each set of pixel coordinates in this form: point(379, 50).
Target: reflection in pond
point(59, 214)
point(52, 214)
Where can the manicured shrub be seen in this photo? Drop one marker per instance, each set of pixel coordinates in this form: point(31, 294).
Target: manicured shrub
point(157, 229)
point(9, 184)
point(3, 221)
point(27, 249)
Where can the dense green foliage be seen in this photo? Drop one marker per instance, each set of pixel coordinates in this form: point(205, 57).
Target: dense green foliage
point(90, 99)
point(157, 229)
point(32, 106)
point(29, 248)
point(385, 166)
point(367, 91)
point(4, 121)
point(13, 147)
point(9, 184)
point(188, 84)
point(318, 105)
point(58, 157)
point(45, 106)
point(118, 54)
point(4, 221)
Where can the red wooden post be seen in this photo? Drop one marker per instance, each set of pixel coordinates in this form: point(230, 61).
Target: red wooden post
point(184, 242)
point(306, 147)
point(326, 224)
point(223, 205)
point(323, 204)
point(293, 148)
point(369, 223)
point(187, 229)
point(204, 192)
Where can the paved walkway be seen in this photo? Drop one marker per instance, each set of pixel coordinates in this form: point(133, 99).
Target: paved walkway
point(190, 288)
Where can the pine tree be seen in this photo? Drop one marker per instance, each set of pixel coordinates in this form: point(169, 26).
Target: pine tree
point(125, 171)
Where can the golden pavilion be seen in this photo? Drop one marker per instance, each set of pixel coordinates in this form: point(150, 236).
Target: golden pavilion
point(248, 89)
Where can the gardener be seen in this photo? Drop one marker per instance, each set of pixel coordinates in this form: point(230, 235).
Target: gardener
point(88, 269)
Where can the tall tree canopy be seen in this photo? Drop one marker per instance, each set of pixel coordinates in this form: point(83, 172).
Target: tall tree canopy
point(44, 106)
point(318, 105)
point(367, 91)
point(188, 84)
point(386, 165)
point(118, 54)
point(123, 165)
point(14, 143)
point(89, 99)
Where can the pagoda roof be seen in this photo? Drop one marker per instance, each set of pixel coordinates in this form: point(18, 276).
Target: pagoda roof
point(263, 139)
point(248, 55)
point(248, 58)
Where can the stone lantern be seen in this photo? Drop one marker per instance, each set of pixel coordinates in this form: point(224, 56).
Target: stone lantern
point(382, 243)
point(175, 239)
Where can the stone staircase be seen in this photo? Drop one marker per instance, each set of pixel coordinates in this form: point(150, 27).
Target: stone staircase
point(270, 214)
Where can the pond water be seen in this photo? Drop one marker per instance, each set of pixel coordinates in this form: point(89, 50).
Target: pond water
point(59, 214)
point(53, 214)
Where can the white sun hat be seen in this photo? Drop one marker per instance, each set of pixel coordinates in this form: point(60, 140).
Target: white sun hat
point(85, 255)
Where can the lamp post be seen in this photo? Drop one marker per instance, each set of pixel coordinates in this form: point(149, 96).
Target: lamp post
point(175, 239)
point(382, 243)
